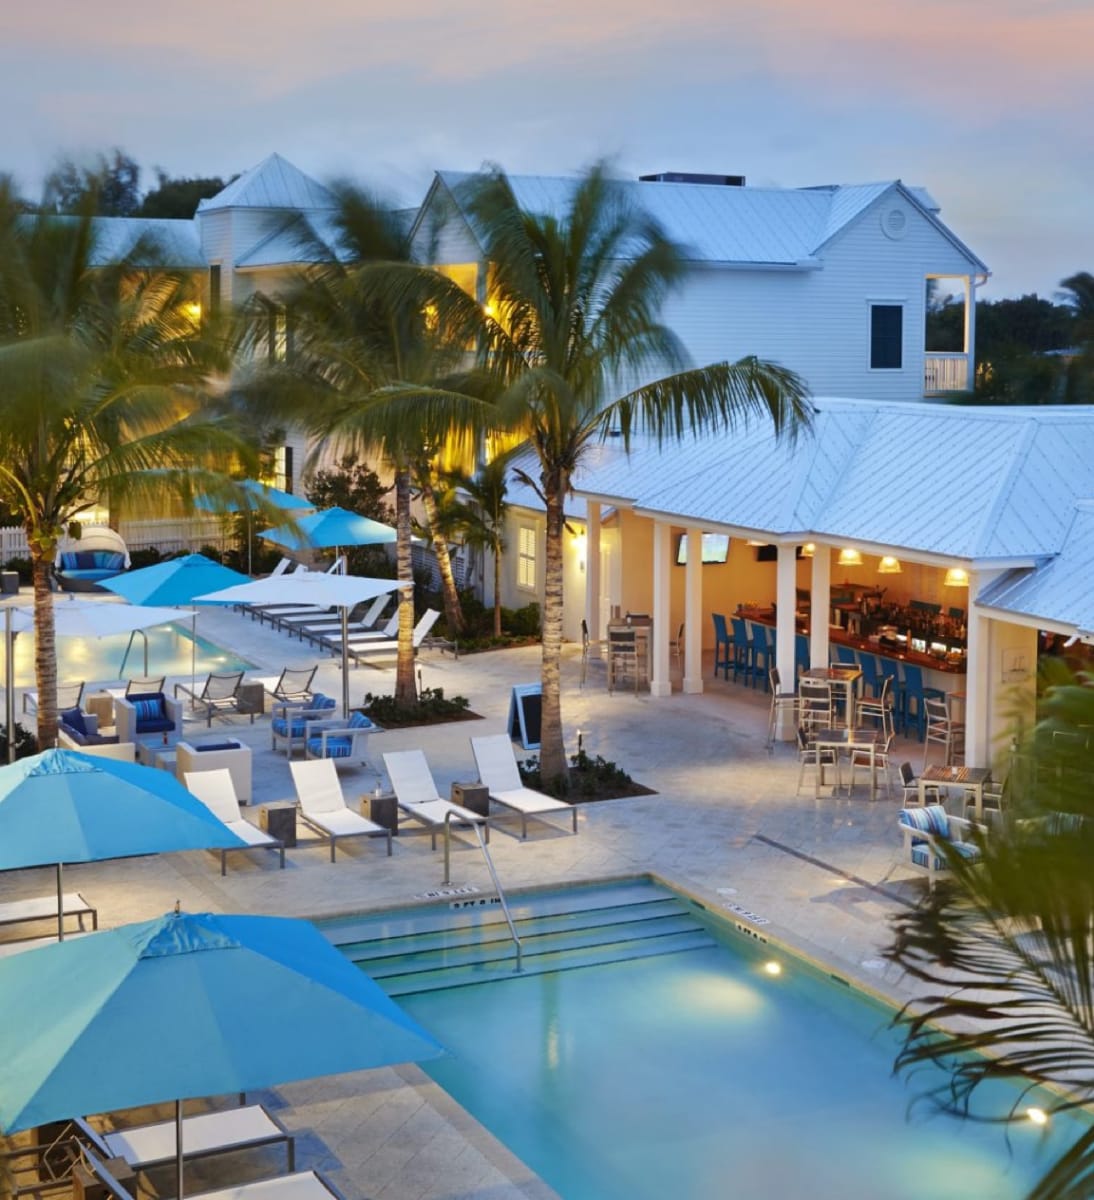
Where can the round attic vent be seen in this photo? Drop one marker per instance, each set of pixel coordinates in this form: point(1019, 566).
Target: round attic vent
point(894, 223)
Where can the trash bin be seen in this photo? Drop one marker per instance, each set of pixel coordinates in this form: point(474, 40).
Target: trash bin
point(9, 583)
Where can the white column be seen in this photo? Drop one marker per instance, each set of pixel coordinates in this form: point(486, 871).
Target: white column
point(970, 333)
point(592, 577)
point(693, 615)
point(786, 581)
point(820, 605)
point(978, 682)
point(660, 684)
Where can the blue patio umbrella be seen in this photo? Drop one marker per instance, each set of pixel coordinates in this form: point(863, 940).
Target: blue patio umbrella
point(63, 806)
point(177, 581)
point(183, 1006)
point(255, 494)
point(331, 527)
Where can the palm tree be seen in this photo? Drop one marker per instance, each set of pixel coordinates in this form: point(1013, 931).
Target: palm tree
point(481, 522)
point(1007, 951)
point(379, 366)
point(1078, 295)
point(103, 367)
point(577, 297)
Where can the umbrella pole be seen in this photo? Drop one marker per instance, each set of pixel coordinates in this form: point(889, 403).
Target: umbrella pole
point(194, 651)
point(9, 684)
point(178, 1149)
point(61, 903)
point(345, 663)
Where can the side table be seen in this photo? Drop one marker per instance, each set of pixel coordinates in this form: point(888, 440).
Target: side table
point(251, 699)
point(382, 809)
point(101, 705)
point(473, 796)
point(279, 821)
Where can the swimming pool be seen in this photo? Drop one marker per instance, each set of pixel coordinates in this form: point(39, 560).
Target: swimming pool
point(693, 1073)
point(104, 659)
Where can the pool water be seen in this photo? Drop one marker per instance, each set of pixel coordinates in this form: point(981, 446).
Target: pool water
point(698, 1075)
point(105, 659)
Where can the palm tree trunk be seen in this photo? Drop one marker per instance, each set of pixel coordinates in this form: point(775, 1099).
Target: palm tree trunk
point(552, 753)
point(497, 590)
point(453, 612)
point(405, 690)
point(45, 645)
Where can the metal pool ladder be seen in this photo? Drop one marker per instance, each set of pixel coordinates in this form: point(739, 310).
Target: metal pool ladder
point(494, 877)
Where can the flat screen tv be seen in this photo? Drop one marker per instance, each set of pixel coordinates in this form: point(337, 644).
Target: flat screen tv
point(715, 548)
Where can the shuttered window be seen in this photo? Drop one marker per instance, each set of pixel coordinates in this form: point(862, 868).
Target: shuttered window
point(526, 557)
point(886, 337)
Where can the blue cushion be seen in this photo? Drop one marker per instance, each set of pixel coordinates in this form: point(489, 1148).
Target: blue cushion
point(68, 559)
point(336, 747)
point(282, 728)
point(321, 701)
point(218, 746)
point(921, 854)
point(358, 720)
point(149, 707)
point(929, 819)
point(73, 721)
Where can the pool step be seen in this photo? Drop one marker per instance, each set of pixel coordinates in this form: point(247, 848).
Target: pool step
point(462, 948)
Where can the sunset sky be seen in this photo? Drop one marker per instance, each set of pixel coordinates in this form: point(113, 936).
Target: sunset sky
point(987, 103)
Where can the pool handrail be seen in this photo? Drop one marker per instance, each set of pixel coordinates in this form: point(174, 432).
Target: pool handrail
point(493, 875)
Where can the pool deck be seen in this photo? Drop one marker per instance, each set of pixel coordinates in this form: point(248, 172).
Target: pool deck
point(725, 826)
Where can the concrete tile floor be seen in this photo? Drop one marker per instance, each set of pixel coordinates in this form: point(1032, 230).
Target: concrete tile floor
point(821, 872)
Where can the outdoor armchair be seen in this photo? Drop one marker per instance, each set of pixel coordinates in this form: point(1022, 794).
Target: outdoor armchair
point(219, 693)
point(290, 719)
point(153, 716)
point(928, 831)
point(339, 740)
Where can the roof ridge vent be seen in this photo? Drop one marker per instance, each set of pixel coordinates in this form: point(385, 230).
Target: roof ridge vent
point(693, 177)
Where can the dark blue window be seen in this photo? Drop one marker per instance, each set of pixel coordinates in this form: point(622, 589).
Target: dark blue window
point(886, 337)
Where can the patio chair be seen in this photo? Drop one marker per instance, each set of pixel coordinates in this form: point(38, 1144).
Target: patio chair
point(498, 771)
point(293, 684)
point(622, 656)
point(151, 716)
point(339, 740)
point(290, 719)
point(943, 731)
point(928, 833)
point(810, 756)
point(814, 704)
point(146, 1146)
point(151, 683)
point(217, 792)
point(781, 702)
point(69, 695)
point(909, 784)
point(388, 649)
point(417, 796)
point(324, 808)
point(219, 694)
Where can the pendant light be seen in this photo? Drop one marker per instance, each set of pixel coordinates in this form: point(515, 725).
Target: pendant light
point(889, 565)
point(956, 577)
point(849, 557)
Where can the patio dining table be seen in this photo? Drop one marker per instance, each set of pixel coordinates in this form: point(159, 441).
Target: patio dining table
point(969, 780)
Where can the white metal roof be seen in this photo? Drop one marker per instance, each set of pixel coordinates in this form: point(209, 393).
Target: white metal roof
point(719, 224)
point(177, 241)
point(1058, 590)
point(966, 483)
point(273, 183)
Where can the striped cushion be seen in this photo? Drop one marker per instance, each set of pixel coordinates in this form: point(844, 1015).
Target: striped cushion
point(358, 720)
point(336, 747)
point(921, 854)
point(929, 819)
point(149, 708)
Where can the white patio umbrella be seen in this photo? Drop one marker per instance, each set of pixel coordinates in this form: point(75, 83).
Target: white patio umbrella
point(310, 587)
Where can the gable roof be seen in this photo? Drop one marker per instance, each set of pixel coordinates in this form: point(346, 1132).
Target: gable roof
point(746, 226)
point(981, 484)
point(174, 241)
point(273, 183)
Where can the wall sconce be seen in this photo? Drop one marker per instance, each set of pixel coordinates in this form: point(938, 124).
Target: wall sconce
point(755, 542)
point(889, 565)
point(809, 549)
point(581, 543)
point(956, 577)
point(850, 558)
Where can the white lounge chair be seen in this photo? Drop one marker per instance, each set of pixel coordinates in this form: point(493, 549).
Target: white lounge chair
point(147, 1146)
point(69, 695)
point(500, 774)
point(364, 637)
point(324, 808)
point(388, 648)
point(217, 792)
point(44, 908)
point(301, 1185)
point(417, 797)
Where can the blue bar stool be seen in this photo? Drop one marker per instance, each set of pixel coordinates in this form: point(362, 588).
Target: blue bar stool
point(742, 649)
point(723, 646)
point(913, 690)
point(871, 674)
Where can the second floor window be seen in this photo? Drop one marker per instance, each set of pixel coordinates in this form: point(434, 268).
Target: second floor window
point(526, 557)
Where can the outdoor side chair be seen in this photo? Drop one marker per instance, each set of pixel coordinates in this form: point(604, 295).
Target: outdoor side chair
point(219, 694)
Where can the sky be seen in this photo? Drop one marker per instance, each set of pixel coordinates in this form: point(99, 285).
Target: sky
point(986, 103)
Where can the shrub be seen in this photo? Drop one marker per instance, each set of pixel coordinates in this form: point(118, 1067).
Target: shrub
point(589, 779)
point(521, 622)
point(26, 743)
point(432, 707)
point(23, 566)
point(145, 556)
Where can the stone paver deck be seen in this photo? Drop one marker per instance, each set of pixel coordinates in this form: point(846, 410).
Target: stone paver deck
point(822, 872)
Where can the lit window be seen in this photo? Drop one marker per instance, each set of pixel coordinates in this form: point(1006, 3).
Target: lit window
point(526, 557)
point(282, 468)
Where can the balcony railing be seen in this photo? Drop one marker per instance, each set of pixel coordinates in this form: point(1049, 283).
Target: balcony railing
point(945, 373)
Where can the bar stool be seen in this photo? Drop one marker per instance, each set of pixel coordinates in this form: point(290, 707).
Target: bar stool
point(913, 689)
point(763, 653)
point(801, 653)
point(871, 673)
point(942, 731)
point(742, 649)
point(723, 646)
point(878, 708)
point(622, 656)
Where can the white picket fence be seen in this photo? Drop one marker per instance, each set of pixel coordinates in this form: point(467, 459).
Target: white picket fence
point(168, 536)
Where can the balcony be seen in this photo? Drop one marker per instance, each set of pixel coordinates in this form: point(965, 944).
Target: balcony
point(945, 373)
